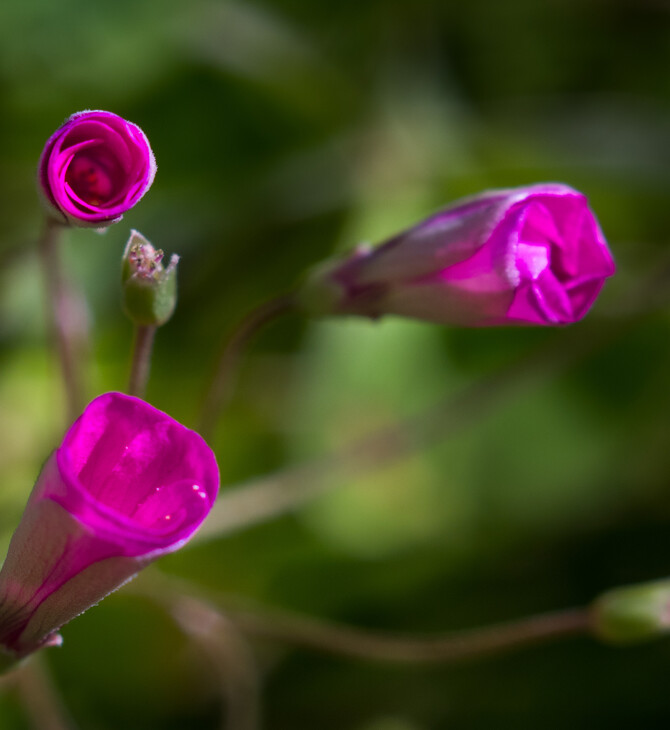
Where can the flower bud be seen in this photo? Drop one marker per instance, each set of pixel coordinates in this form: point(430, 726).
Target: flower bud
point(528, 256)
point(127, 485)
point(633, 613)
point(94, 168)
point(149, 290)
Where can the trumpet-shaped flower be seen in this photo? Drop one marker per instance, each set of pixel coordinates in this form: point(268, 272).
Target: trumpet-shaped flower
point(528, 256)
point(127, 485)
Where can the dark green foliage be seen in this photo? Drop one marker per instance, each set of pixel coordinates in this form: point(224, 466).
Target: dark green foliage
point(285, 131)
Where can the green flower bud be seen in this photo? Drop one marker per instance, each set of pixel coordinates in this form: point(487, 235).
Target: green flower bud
point(149, 289)
point(633, 613)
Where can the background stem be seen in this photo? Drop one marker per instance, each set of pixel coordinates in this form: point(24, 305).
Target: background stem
point(67, 315)
point(380, 647)
point(39, 697)
point(222, 384)
point(353, 642)
point(230, 657)
point(268, 497)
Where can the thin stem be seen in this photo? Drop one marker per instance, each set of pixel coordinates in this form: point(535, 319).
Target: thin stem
point(375, 646)
point(230, 657)
point(222, 384)
point(141, 363)
point(68, 317)
point(217, 638)
point(266, 498)
point(382, 647)
point(40, 698)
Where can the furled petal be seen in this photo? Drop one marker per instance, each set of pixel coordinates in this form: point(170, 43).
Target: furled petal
point(529, 256)
point(94, 168)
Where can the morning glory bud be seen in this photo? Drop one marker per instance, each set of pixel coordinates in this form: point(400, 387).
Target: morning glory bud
point(149, 289)
point(94, 168)
point(528, 256)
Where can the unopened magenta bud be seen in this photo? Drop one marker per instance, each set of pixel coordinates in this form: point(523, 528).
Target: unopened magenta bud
point(94, 168)
point(149, 288)
point(527, 256)
point(127, 485)
point(633, 613)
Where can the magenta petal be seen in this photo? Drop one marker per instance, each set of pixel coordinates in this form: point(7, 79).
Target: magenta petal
point(94, 168)
point(127, 485)
point(122, 453)
point(552, 299)
point(540, 226)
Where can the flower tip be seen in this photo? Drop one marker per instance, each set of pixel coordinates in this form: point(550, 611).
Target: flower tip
point(54, 639)
point(172, 265)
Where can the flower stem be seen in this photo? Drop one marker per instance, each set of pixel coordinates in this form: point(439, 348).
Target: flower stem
point(141, 362)
point(230, 657)
point(67, 313)
point(357, 643)
point(219, 639)
point(222, 384)
point(268, 497)
point(383, 647)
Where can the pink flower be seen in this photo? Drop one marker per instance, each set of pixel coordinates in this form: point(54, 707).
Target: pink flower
point(94, 168)
point(528, 256)
point(127, 485)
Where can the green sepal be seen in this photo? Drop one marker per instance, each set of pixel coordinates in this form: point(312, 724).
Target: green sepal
point(633, 613)
point(149, 289)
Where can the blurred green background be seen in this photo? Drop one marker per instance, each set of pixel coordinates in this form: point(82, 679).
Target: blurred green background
point(287, 130)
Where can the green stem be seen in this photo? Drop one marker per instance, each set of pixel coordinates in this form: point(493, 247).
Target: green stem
point(141, 362)
point(222, 384)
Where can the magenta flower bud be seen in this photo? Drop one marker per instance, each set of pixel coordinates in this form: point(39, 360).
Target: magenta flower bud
point(127, 485)
point(94, 168)
point(528, 256)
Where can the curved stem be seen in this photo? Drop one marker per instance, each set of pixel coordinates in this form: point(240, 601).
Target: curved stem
point(223, 382)
point(141, 363)
point(382, 647)
point(230, 658)
point(266, 498)
point(67, 315)
point(375, 646)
